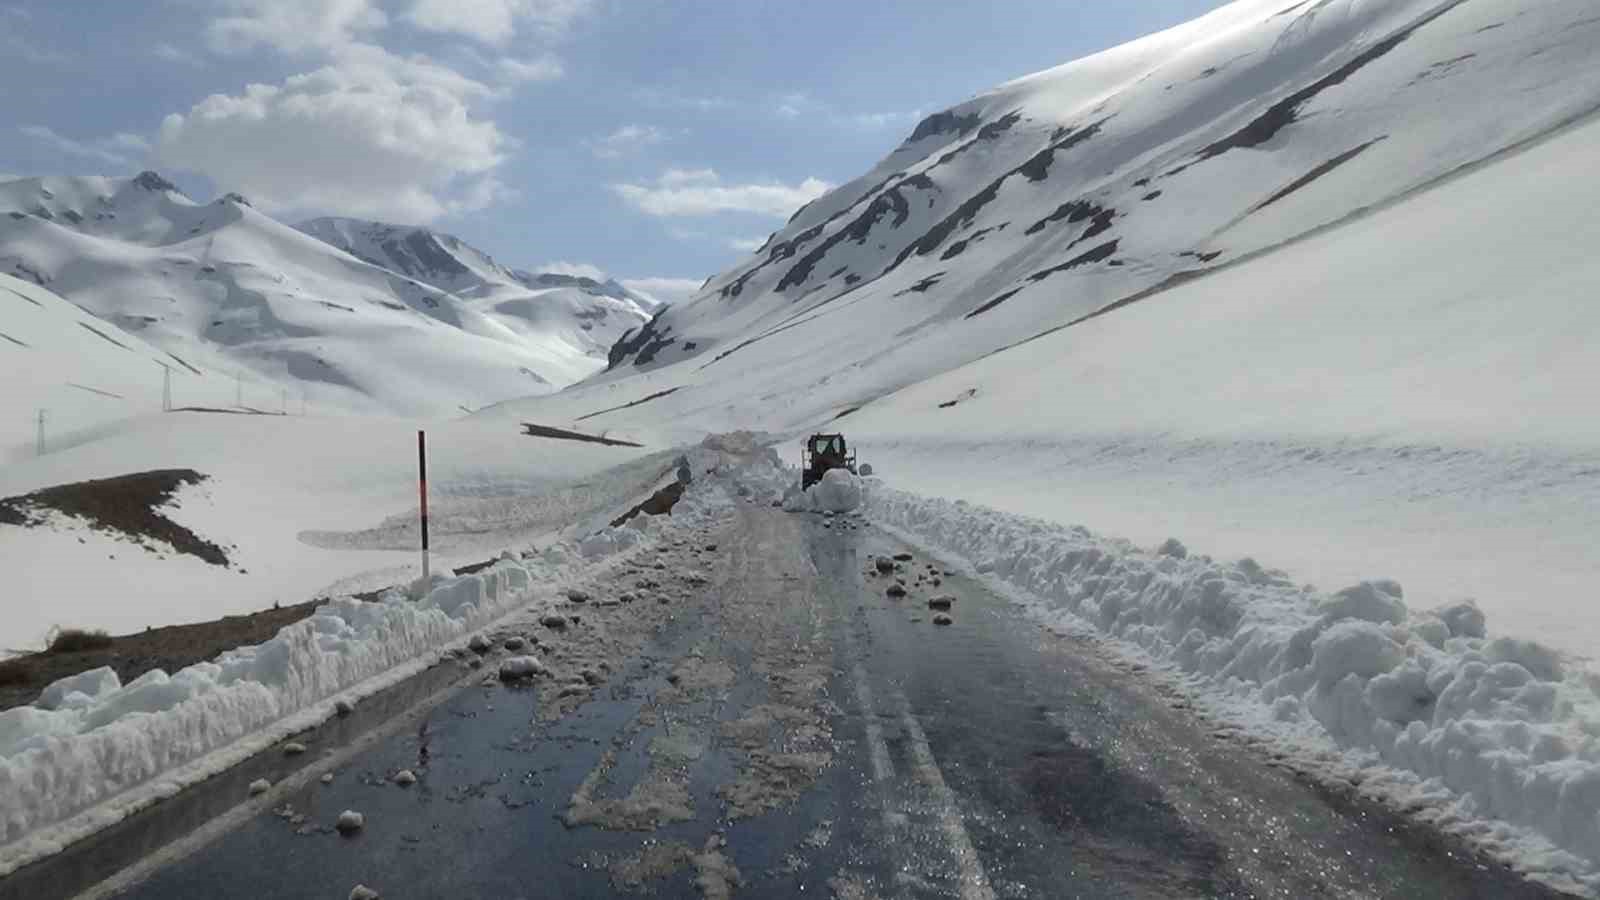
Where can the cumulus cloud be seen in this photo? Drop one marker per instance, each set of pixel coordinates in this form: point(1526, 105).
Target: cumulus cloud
point(664, 290)
point(293, 26)
point(495, 21)
point(625, 140)
point(173, 54)
point(123, 150)
point(576, 270)
point(699, 192)
point(366, 131)
point(518, 71)
point(372, 135)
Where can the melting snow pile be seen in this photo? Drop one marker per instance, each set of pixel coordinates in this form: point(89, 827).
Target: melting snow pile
point(92, 751)
point(1494, 738)
point(839, 491)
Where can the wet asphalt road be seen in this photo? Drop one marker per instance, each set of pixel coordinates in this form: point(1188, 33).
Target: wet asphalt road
point(789, 730)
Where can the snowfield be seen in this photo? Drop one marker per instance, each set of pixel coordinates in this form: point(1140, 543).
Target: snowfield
point(305, 506)
point(93, 751)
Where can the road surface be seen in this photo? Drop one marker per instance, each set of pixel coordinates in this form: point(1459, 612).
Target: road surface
point(768, 722)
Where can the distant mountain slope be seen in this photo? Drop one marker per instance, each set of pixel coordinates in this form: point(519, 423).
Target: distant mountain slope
point(234, 290)
point(80, 370)
point(1083, 187)
point(579, 311)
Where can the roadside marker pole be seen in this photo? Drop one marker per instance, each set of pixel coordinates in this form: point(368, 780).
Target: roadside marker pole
point(422, 489)
point(39, 445)
point(166, 389)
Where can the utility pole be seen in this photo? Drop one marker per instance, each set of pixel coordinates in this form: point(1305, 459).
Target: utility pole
point(39, 444)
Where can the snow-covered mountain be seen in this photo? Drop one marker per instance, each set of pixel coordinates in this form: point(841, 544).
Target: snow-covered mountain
point(1087, 186)
point(449, 263)
point(230, 289)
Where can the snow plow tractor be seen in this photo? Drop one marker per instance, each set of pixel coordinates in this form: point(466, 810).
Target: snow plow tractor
point(823, 452)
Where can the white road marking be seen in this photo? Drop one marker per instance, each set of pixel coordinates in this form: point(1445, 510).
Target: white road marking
point(974, 881)
point(882, 768)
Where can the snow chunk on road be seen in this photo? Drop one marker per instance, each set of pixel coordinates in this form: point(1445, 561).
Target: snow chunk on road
point(839, 491)
point(519, 667)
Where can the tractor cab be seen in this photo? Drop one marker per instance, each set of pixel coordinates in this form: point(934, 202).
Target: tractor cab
point(823, 452)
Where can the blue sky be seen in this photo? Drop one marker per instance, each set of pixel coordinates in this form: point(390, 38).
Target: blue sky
point(654, 140)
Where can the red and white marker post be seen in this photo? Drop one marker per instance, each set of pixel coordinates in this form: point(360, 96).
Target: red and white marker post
point(422, 490)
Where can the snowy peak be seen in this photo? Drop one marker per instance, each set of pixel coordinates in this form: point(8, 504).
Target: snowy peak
point(441, 260)
point(449, 263)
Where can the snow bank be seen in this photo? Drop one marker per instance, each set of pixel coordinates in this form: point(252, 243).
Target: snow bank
point(93, 751)
point(1492, 738)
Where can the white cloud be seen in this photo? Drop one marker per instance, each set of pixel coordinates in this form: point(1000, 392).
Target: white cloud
point(699, 192)
point(625, 140)
point(371, 135)
point(747, 245)
point(664, 290)
point(517, 71)
point(293, 26)
point(496, 21)
point(367, 131)
point(123, 150)
point(172, 54)
point(885, 119)
point(576, 270)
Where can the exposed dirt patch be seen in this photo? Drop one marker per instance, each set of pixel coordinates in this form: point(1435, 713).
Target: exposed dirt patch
point(642, 345)
point(891, 202)
point(170, 648)
point(102, 335)
point(128, 505)
point(659, 503)
point(656, 396)
point(1035, 169)
point(562, 434)
point(660, 797)
point(922, 286)
point(653, 863)
point(1316, 173)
